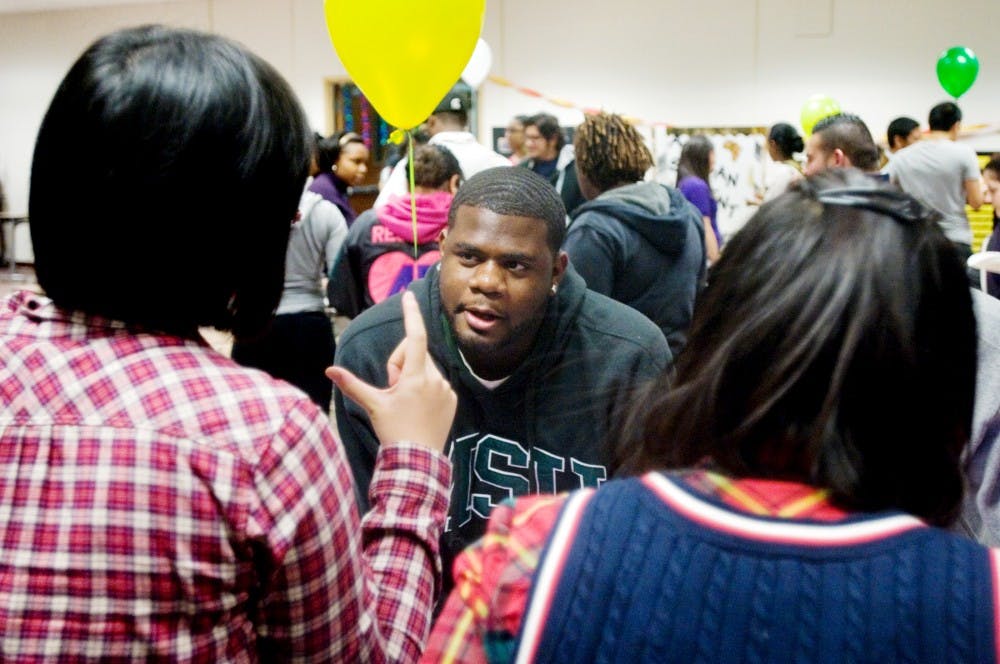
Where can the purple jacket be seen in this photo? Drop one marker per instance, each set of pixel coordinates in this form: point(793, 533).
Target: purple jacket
point(333, 189)
point(697, 191)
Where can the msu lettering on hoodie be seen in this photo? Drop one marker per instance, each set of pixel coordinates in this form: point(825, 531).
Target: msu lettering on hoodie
point(544, 430)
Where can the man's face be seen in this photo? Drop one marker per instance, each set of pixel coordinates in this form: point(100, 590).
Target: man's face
point(515, 135)
point(910, 139)
point(497, 275)
point(536, 146)
point(818, 159)
point(991, 187)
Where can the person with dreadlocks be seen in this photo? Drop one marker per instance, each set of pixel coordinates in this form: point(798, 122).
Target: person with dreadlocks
point(542, 366)
point(637, 242)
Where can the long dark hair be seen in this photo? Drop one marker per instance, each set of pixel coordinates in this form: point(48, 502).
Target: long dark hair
point(197, 152)
point(694, 159)
point(834, 345)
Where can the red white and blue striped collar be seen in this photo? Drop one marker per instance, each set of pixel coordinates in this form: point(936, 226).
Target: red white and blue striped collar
point(769, 529)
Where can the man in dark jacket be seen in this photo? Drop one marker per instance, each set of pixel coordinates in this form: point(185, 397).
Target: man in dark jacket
point(640, 243)
point(541, 365)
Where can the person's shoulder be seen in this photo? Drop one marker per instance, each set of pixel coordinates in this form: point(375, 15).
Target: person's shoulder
point(597, 223)
point(262, 406)
point(380, 321)
point(361, 226)
point(493, 157)
point(692, 182)
point(693, 187)
point(327, 213)
point(617, 326)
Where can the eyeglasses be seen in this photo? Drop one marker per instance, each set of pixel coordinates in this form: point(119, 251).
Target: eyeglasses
point(895, 204)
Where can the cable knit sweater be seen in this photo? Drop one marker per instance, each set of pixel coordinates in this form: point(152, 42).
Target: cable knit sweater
point(656, 569)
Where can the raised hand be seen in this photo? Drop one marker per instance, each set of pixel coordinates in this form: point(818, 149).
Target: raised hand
point(418, 405)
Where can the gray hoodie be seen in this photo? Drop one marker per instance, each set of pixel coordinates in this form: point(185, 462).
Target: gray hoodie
point(643, 245)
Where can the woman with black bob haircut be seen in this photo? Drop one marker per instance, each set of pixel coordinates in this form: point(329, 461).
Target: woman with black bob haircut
point(181, 217)
point(790, 471)
point(194, 509)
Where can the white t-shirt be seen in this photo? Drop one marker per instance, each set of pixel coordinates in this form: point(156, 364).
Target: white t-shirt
point(471, 156)
point(777, 177)
point(935, 171)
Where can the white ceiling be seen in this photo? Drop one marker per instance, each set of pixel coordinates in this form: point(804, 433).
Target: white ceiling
point(12, 6)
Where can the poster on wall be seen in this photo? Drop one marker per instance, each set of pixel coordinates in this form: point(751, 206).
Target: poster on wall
point(736, 181)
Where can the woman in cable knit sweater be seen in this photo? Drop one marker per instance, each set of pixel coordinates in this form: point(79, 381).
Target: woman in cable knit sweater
point(790, 475)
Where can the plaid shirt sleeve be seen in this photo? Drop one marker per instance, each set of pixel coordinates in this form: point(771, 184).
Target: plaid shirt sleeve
point(342, 590)
point(482, 616)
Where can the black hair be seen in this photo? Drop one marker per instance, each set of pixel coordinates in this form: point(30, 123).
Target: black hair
point(944, 116)
point(902, 127)
point(993, 164)
point(197, 152)
point(694, 159)
point(849, 134)
point(515, 192)
point(548, 127)
point(434, 165)
point(834, 345)
point(455, 118)
point(610, 152)
point(787, 139)
point(328, 149)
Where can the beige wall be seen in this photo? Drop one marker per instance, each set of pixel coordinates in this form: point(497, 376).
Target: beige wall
point(713, 62)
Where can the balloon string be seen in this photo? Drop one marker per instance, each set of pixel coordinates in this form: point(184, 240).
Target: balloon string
point(413, 202)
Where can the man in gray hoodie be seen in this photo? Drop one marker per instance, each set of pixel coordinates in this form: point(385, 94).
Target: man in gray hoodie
point(640, 243)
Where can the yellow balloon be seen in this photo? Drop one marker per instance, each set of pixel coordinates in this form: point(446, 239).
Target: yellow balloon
point(815, 109)
point(404, 56)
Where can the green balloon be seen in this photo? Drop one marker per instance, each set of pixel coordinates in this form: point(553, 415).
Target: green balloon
point(957, 69)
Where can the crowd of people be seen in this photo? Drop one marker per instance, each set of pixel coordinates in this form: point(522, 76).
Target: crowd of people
point(573, 422)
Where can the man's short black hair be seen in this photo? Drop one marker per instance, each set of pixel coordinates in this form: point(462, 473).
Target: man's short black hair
point(944, 116)
point(902, 127)
point(515, 192)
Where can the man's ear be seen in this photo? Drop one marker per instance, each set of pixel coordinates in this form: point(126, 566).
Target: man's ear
point(453, 184)
point(840, 159)
point(442, 235)
point(559, 267)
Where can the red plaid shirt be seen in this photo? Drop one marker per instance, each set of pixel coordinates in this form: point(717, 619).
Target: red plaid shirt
point(157, 501)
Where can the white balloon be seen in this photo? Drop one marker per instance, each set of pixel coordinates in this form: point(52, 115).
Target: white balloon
point(479, 65)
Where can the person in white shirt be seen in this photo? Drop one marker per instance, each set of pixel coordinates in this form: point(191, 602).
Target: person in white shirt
point(447, 126)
